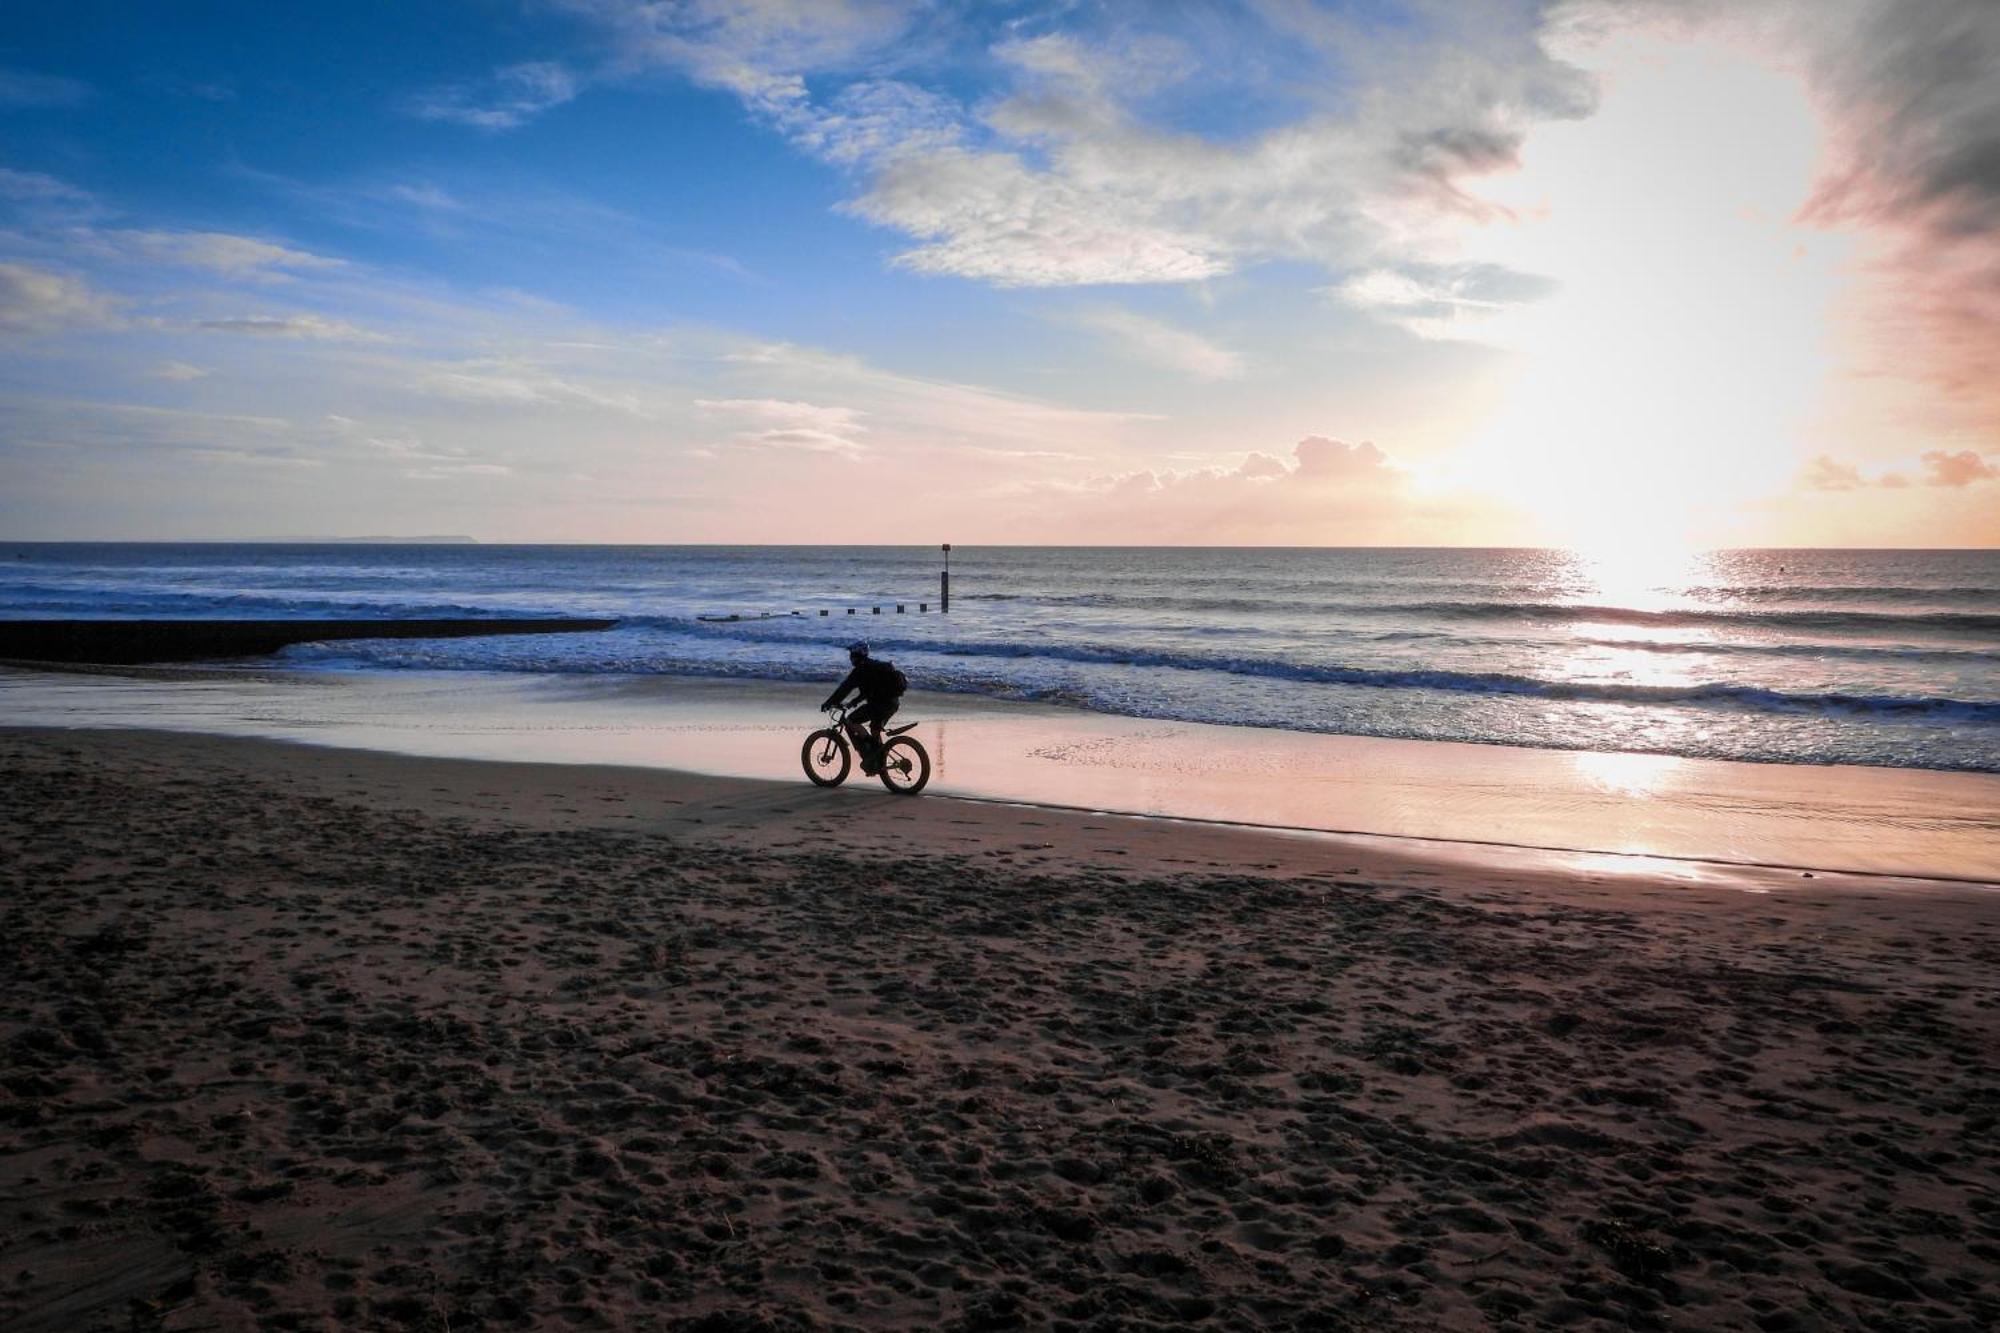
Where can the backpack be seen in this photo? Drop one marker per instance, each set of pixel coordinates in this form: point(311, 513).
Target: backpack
point(881, 680)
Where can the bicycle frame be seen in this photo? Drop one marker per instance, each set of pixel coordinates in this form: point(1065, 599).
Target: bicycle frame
point(839, 714)
point(900, 760)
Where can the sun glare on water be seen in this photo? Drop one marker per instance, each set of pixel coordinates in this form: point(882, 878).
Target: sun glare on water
point(1667, 381)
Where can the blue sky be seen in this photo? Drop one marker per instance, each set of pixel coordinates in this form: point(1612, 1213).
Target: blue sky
point(1270, 271)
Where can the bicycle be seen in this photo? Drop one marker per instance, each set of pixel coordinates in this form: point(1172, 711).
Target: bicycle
point(828, 755)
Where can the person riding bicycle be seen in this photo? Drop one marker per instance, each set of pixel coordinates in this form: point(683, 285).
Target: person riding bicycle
point(881, 688)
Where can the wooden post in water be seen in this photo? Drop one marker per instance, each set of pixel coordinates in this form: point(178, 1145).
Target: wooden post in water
point(944, 582)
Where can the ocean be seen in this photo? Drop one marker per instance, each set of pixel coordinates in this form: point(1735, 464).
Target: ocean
point(1803, 657)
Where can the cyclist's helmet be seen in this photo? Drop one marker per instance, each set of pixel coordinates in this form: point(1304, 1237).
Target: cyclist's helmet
point(859, 648)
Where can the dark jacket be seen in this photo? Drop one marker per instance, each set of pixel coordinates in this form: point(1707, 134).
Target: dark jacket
point(873, 677)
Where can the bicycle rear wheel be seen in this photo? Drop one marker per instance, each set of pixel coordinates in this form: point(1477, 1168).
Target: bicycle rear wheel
point(906, 766)
point(825, 758)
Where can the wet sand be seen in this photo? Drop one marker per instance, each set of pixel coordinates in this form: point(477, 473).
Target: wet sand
point(1809, 817)
point(311, 1038)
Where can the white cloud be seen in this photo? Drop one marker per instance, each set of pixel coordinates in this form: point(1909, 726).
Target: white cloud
point(758, 49)
point(1064, 182)
point(35, 300)
point(1163, 345)
point(179, 371)
point(1135, 62)
point(990, 217)
point(869, 121)
point(513, 96)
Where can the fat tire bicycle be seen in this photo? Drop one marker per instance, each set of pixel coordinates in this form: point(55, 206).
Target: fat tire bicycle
point(828, 756)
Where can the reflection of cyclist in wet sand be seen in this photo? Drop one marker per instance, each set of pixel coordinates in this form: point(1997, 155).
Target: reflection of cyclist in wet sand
point(881, 688)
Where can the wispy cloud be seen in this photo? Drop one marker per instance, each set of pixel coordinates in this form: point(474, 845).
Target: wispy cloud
point(1443, 300)
point(523, 383)
point(130, 429)
point(780, 424)
point(36, 300)
point(509, 99)
point(200, 90)
point(425, 195)
point(934, 410)
point(43, 200)
point(307, 326)
point(218, 252)
point(26, 88)
point(416, 458)
point(1163, 345)
point(1824, 474)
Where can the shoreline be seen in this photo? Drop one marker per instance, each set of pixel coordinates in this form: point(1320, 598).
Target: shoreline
point(741, 810)
point(1863, 820)
point(312, 1037)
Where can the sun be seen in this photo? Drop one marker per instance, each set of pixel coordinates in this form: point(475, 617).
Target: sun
point(1665, 386)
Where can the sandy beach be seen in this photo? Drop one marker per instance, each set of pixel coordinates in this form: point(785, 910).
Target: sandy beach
point(307, 1038)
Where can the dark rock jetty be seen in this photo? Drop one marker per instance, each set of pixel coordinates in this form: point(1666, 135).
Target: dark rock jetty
point(132, 641)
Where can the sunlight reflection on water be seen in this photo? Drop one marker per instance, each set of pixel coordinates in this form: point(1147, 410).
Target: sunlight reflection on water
point(1641, 775)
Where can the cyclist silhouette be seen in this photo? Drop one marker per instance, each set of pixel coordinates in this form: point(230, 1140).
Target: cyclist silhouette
point(881, 688)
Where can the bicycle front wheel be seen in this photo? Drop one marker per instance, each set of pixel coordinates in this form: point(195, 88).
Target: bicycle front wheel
point(906, 766)
point(825, 758)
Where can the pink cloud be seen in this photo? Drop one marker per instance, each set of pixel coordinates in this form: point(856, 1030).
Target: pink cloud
point(1321, 458)
point(1823, 474)
point(1329, 492)
point(1959, 469)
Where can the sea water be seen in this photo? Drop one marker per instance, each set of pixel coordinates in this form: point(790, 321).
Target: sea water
point(1813, 657)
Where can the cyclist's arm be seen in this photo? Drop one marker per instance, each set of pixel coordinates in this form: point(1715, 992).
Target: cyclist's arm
point(840, 690)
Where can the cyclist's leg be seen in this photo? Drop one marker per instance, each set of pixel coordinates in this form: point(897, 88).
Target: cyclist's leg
point(878, 718)
point(865, 732)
